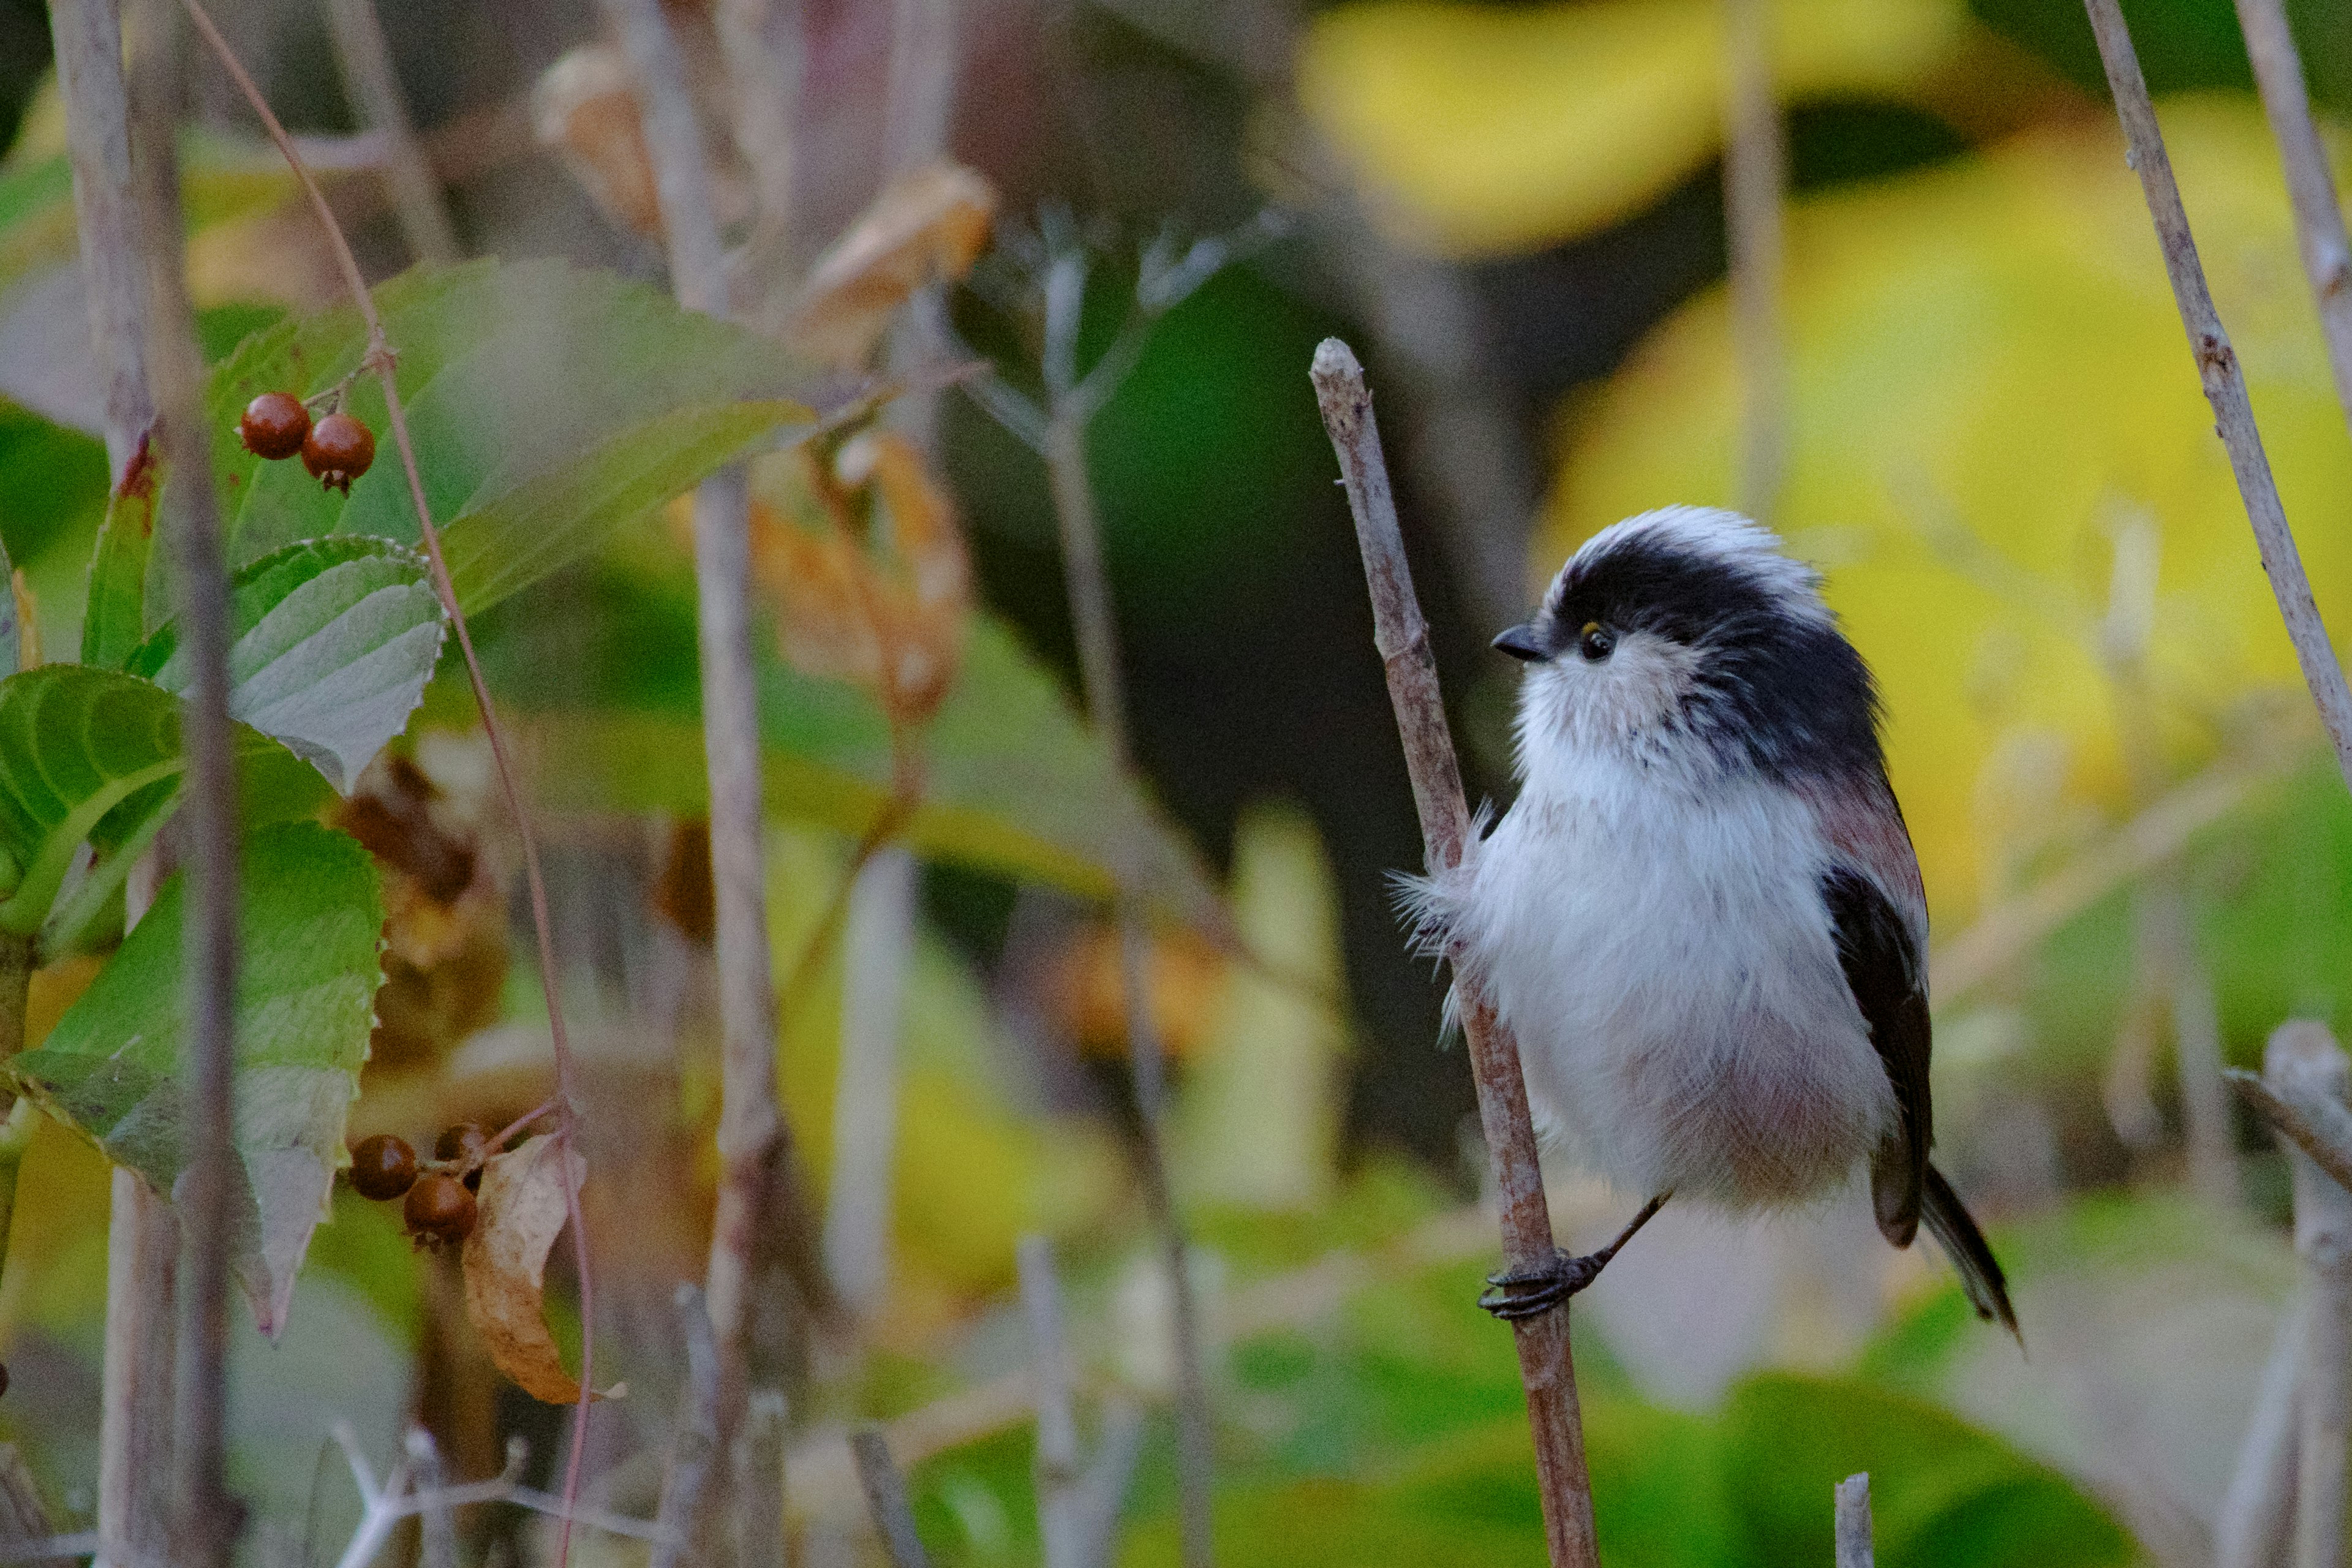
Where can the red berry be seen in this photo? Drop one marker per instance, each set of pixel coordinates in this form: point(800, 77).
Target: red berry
point(338, 450)
point(382, 1167)
point(274, 425)
point(439, 1209)
point(467, 1145)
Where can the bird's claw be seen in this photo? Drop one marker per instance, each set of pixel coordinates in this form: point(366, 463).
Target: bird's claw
point(1521, 1293)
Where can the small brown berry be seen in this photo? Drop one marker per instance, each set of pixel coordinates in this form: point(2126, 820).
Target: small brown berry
point(274, 425)
point(439, 1209)
point(338, 450)
point(382, 1167)
point(468, 1145)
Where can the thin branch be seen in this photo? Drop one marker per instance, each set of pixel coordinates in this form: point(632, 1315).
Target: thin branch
point(364, 61)
point(1057, 1466)
point(2310, 185)
point(437, 1519)
point(2224, 383)
point(759, 1494)
point(1755, 173)
point(380, 357)
point(759, 1192)
point(88, 42)
point(694, 1444)
point(2257, 1518)
point(886, 1498)
point(2304, 1060)
point(2313, 1122)
point(878, 944)
point(1546, 1367)
point(1853, 1547)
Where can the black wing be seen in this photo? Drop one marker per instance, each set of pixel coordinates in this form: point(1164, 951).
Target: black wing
point(1884, 971)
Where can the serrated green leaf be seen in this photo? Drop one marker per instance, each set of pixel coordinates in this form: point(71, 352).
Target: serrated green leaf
point(545, 402)
point(308, 924)
point(332, 642)
point(94, 756)
point(114, 617)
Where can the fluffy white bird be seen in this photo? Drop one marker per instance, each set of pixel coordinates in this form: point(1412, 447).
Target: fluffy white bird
point(1703, 918)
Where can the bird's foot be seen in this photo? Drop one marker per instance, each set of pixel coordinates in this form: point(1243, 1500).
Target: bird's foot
point(1520, 1293)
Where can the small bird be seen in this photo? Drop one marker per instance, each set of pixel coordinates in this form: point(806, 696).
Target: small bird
point(1703, 918)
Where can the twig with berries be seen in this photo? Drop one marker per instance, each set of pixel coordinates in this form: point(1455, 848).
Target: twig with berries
point(335, 450)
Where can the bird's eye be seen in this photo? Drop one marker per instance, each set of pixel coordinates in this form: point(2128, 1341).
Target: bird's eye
point(1595, 642)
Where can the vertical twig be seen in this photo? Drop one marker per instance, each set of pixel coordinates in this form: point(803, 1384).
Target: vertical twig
point(1854, 1548)
point(89, 40)
point(364, 61)
point(694, 1443)
point(2255, 1527)
point(1057, 1469)
point(2304, 1059)
point(877, 942)
point(2224, 383)
point(922, 82)
point(436, 1543)
point(1093, 623)
point(759, 1496)
point(1755, 172)
point(886, 1498)
point(759, 1197)
point(1403, 639)
point(2310, 186)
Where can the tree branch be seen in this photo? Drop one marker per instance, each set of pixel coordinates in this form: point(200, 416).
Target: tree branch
point(1403, 639)
point(2304, 1060)
point(886, 1498)
point(2224, 383)
point(1854, 1546)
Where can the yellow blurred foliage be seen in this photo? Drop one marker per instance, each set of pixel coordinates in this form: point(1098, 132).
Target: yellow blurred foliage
point(1479, 131)
point(1988, 380)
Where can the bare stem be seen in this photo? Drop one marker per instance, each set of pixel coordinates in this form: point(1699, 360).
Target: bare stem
point(2310, 186)
point(381, 358)
point(370, 82)
point(89, 40)
point(2224, 383)
point(1092, 620)
point(2257, 1518)
point(2304, 1060)
point(694, 1444)
point(878, 944)
point(886, 1498)
point(759, 1494)
point(1546, 1367)
point(759, 1194)
point(436, 1546)
point(2312, 1120)
point(1853, 1547)
point(1059, 1470)
point(1755, 171)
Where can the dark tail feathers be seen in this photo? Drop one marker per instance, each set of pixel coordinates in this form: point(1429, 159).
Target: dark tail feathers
point(1947, 1220)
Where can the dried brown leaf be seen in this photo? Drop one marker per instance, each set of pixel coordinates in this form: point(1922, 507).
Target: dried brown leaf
point(522, 1210)
point(927, 225)
point(819, 581)
point(585, 107)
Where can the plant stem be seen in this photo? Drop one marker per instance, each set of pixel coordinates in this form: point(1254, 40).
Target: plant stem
point(2312, 1120)
point(364, 61)
point(89, 40)
point(1755, 172)
point(886, 1498)
point(1092, 621)
point(1057, 1470)
point(381, 358)
point(1854, 1545)
point(1546, 1367)
point(877, 943)
point(2224, 383)
point(2257, 1518)
point(759, 1489)
point(694, 1443)
point(2303, 1061)
point(2310, 186)
point(763, 1210)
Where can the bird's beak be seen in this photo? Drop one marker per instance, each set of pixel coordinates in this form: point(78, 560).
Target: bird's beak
point(1520, 643)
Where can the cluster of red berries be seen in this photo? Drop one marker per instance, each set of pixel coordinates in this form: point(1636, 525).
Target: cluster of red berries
point(335, 450)
point(439, 1192)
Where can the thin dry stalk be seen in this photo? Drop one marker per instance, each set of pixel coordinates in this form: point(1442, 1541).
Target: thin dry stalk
point(138, 1382)
point(1059, 1472)
point(364, 61)
point(1755, 173)
point(1093, 622)
point(380, 357)
point(2310, 186)
point(759, 1194)
point(437, 1538)
point(694, 1446)
point(1403, 639)
point(89, 41)
point(886, 1498)
point(2315, 1121)
point(1854, 1548)
point(877, 942)
point(2224, 383)
point(758, 1492)
point(2256, 1524)
point(2301, 1060)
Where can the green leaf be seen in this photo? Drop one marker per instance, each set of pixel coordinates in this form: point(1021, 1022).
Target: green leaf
point(333, 640)
point(306, 977)
point(114, 617)
point(94, 756)
point(545, 403)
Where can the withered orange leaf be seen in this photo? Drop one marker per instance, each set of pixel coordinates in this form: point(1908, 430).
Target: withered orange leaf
point(930, 223)
point(585, 107)
point(522, 1210)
